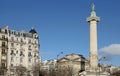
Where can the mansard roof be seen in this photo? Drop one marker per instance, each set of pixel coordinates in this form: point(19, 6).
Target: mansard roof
point(33, 31)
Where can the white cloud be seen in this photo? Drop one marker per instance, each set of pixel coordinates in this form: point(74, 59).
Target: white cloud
point(113, 49)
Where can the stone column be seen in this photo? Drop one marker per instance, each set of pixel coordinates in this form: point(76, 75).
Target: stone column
point(93, 19)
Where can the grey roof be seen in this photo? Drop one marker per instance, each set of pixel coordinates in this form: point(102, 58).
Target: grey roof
point(33, 31)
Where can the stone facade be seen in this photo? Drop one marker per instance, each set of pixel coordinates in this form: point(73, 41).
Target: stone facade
point(49, 64)
point(18, 48)
point(75, 62)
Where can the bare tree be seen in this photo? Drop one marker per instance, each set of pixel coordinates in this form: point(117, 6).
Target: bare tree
point(65, 71)
point(36, 69)
point(20, 70)
point(3, 70)
point(116, 73)
point(61, 71)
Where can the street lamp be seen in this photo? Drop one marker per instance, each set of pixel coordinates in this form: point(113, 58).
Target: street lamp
point(59, 55)
point(57, 60)
point(101, 59)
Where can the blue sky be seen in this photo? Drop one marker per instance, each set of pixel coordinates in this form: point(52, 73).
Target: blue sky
point(62, 26)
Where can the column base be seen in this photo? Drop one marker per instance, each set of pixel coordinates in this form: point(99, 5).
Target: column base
point(94, 73)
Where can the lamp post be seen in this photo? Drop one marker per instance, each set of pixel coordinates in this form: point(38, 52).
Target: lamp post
point(102, 58)
point(57, 59)
point(59, 55)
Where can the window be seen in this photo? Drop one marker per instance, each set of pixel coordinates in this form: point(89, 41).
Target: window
point(12, 59)
point(21, 34)
point(3, 64)
point(29, 54)
point(3, 44)
point(35, 42)
point(36, 36)
point(21, 40)
point(29, 41)
point(21, 53)
point(12, 38)
point(3, 36)
point(16, 52)
point(12, 52)
point(35, 47)
point(17, 39)
point(11, 65)
point(12, 44)
point(21, 46)
point(5, 31)
point(3, 51)
point(29, 47)
point(35, 55)
point(29, 60)
point(12, 32)
point(18, 34)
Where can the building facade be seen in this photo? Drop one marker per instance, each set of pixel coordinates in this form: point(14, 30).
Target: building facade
point(49, 64)
point(18, 48)
point(75, 63)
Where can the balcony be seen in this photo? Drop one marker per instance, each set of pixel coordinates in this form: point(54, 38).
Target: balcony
point(4, 32)
point(29, 49)
point(13, 54)
point(3, 60)
point(22, 49)
point(29, 55)
point(4, 53)
point(22, 42)
point(12, 47)
point(16, 41)
point(3, 67)
point(11, 40)
point(37, 51)
point(5, 39)
point(22, 55)
point(4, 46)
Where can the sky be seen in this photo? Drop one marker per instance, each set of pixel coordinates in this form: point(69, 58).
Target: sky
point(62, 26)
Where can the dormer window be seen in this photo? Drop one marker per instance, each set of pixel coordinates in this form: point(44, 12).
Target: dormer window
point(21, 34)
point(6, 31)
point(18, 34)
point(12, 32)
